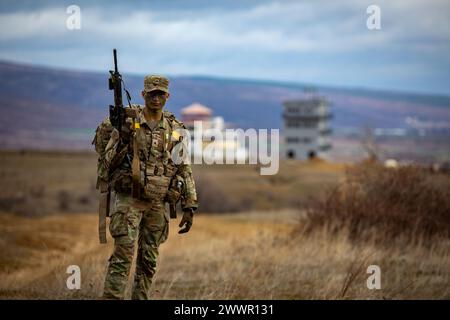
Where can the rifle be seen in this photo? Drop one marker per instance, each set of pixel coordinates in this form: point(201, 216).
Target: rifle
point(117, 116)
point(117, 111)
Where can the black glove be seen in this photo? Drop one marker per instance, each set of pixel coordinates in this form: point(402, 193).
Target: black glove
point(187, 219)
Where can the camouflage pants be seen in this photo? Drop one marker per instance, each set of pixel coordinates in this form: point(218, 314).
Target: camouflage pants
point(134, 220)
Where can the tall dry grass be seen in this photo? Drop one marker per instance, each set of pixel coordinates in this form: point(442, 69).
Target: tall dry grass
point(249, 255)
point(229, 256)
point(385, 204)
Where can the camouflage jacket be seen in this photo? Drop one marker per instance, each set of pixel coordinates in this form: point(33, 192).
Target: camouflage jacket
point(158, 172)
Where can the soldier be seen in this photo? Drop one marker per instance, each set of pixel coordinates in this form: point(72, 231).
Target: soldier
point(144, 218)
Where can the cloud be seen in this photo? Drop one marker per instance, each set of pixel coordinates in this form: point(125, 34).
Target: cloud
point(318, 40)
point(28, 25)
point(273, 26)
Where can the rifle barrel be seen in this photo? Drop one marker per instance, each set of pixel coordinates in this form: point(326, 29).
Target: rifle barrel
point(115, 60)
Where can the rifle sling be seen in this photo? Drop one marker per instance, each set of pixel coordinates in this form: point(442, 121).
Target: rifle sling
point(135, 167)
point(103, 212)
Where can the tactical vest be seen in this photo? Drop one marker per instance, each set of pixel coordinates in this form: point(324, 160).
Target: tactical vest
point(154, 148)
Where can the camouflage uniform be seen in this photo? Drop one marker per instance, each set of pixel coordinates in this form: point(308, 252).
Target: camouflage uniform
point(141, 219)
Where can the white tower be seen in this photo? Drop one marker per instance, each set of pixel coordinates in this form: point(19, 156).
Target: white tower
point(306, 128)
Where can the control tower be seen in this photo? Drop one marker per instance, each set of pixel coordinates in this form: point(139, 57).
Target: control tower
point(306, 128)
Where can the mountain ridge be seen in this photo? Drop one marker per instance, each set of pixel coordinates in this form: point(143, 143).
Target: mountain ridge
point(50, 101)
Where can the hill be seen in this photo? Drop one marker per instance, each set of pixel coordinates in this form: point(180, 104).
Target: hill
point(46, 108)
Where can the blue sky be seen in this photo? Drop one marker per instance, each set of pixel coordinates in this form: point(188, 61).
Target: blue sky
point(321, 42)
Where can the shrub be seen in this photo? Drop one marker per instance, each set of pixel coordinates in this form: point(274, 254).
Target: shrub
point(212, 198)
point(383, 204)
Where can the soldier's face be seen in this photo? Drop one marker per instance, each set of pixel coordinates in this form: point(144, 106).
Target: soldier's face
point(155, 99)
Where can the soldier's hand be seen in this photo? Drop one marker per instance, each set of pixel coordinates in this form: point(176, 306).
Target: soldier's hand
point(186, 221)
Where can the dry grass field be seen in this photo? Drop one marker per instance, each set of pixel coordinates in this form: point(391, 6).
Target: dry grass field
point(259, 252)
point(39, 183)
point(239, 256)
